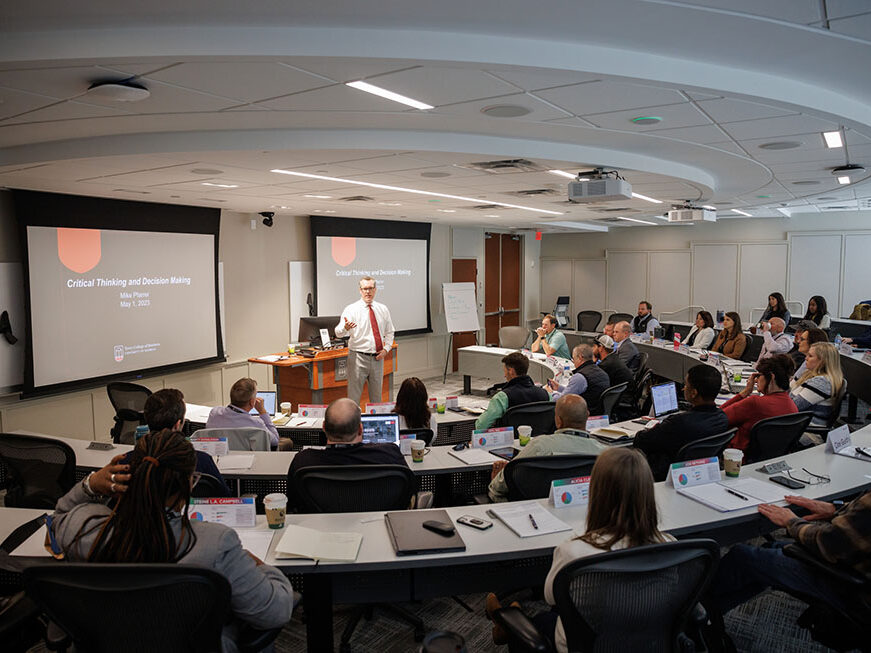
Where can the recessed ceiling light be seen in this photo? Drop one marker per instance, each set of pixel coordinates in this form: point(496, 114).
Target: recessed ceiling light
point(562, 173)
point(389, 95)
point(505, 111)
point(121, 91)
point(319, 197)
point(639, 196)
point(740, 212)
point(620, 217)
point(390, 203)
point(843, 180)
point(207, 183)
point(207, 171)
point(446, 210)
point(408, 190)
point(805, 183)
point(435, 175)
point(833, 139)
point(491, 215)
point(646, 120)
point(781, 145)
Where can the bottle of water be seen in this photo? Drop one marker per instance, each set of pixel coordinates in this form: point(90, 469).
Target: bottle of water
point(141, 430)
point(837, 340)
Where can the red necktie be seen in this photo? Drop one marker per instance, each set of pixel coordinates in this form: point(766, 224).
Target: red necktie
point(375, 332)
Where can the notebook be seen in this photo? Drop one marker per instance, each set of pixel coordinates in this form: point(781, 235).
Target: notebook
point(409, 537)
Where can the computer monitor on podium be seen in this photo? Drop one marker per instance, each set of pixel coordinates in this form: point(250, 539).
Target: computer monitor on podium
point(310, 328)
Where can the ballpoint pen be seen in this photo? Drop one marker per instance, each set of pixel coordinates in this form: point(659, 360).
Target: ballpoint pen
point(740, 496)
point(532, 519)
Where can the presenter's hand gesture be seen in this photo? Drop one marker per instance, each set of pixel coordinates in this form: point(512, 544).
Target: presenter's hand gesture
point(349, 325)
point(777, 515)
point(112, 479)
point(818, 509)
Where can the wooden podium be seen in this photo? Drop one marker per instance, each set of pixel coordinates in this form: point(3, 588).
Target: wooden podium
point(324, 378)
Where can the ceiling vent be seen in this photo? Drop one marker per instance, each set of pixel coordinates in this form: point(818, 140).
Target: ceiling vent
point(864, 204)
point(534, 192)
point(490, 207)
point(505, 166)
point(357, 198)
point(606, 209)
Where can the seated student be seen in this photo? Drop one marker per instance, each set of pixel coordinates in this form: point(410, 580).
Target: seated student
point(644, 322)
point(626, 349)
point(817, 388)
point(621, 514)
point(776, 308)
point(796, 353)
point(608, 330)
point(804, 340)
point(570, 437)
point(550, 340)
point(150, 524)
point(236, 415)
point(345, 445)
point(165, 409)
point(774, 340)
point(745, 409)
point(862, 341)
point(615, 368)
point(519, 389)
point(412, 406)
point(731, 342)
point(587, 380)
point(839, 535)
point(702, 334)
point(818, 312)
point(661, 443)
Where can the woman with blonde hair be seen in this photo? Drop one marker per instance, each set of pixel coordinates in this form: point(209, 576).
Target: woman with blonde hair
point(818, 387)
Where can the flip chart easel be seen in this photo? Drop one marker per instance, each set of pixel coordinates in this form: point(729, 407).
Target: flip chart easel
point(461, 313)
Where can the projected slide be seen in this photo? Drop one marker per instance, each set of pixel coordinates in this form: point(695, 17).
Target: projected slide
point(398, 265)
point(105, 302)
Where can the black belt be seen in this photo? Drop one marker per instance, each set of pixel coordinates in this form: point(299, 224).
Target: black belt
point(366, 353)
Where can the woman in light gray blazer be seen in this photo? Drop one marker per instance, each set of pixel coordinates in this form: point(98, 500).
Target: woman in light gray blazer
point(702, 334)
point(151, 492)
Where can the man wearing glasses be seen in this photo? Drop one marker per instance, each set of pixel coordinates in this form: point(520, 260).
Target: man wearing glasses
point(370, 329)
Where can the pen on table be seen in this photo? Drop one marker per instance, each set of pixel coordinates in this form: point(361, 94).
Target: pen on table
point(740, 496)
point(532, 519)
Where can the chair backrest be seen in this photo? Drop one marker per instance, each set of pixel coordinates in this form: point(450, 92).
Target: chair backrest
point(708, 447)
point(611, 396)
point(836, 406)
point(775, 436)
point(537, 414)
point(635, 599)
point(530, 477)
point(128, 401)
point(244, 439)
point(619, 317)
point(148, 607)
point(589, 320)
point(643, 359)
point(513, 337)
point(352, 488)
point(207, 487)
point(420, 434)
point(752, 349)
point(40, 470)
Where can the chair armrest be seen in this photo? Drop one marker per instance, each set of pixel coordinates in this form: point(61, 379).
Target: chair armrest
point(521, 631)
point(56, 638)
point(252, 640)
point(836, 573)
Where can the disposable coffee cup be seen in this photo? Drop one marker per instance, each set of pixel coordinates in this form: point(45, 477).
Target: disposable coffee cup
point(418, 448)
point(732, 462)
point(285, 407)
point(523, 434)
point(276, 509)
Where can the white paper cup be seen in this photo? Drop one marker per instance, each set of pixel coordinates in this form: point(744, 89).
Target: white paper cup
point(275, 506)
point(418, 449)
point(523, 434)
point(732, 459)
point(285, 407)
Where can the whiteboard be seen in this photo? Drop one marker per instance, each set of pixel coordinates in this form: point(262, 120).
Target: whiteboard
point(461, 310)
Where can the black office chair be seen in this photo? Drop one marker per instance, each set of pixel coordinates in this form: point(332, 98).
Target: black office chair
point(420, 434)
point(639, 599)
point(589, 320)
point(614, 318)
point(128, 400)
point(611, 396)
point(148, 607)
point(357, 488)
point(636, 400)
point(753, 348)
point(530, 478)
point(776, 436)
point(208, 487)
point(537, 414)
point(643, 366)
point(841, 630)
point(40, 470)
point(709, 447)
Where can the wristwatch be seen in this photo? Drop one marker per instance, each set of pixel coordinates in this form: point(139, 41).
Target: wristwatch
point(86, 486)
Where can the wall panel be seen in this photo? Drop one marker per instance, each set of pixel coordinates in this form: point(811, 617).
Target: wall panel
point(556, 280)
point(758, 262)
point(670, 280)
point(627, 280)
point(814, 267)
point(715, 276)
point(857, 274)
point(589, 286)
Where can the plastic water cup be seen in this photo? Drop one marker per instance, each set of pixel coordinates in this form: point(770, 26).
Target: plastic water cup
point(440, 407)
point(524, 433)
point(276, 509)
point(285, 407)
point(418, 449)
point(732, 459)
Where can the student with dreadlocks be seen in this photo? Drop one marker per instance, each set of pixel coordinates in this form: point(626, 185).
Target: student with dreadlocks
point(149, 523)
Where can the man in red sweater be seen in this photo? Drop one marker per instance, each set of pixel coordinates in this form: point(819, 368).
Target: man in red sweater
point(745, 409)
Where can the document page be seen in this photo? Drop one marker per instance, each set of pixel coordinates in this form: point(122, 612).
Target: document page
point(474, 456)
point(257, 542)
point(234, 461)
point(301, 542)
point(528, 518)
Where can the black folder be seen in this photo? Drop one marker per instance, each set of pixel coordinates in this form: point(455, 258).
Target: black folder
point(409, 537)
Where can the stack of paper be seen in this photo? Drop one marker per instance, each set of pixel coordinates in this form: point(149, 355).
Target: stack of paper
point(528, 518)
point(301, 542)
point(613, 434)
point(734, 495)
point(234, 462)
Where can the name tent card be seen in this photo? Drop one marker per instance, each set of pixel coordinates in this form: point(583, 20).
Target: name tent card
point(211, 446)
point(312, 410)
point(433, 403)
point(492, 438)
point(405, 440)
point(866, 357)
point(839, 439)
point(385, 407)
point(232, 512)
point(694, 472)
point(597, 422)
point(325, 337)
point(452, 402)
point(568, 492)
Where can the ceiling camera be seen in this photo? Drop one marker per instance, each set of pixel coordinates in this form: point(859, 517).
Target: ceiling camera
point(267, 217)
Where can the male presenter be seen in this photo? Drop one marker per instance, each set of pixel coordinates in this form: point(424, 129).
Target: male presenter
point(370, 329)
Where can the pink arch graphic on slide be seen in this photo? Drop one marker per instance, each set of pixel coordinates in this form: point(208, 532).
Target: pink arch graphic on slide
point(344, 250)
point(79, 249)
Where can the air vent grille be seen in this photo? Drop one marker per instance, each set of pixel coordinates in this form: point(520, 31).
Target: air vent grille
point(357, 198)
point(505, 166)
point(535, 192)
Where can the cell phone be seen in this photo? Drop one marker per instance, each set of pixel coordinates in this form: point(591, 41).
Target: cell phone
point(475, 522)
point(101, 446)
point(788, 482)
point(439, 527)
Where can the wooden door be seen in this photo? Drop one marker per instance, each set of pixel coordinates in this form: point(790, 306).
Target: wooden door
point(464, 269)
point(502, 265)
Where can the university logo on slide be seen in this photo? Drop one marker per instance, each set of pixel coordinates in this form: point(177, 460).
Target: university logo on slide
point(78, 249)
point(119, 353)
point(344, 250)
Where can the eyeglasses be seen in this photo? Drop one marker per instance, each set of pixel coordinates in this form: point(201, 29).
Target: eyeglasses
point(195, 478)
point(368, 289)
point(815, 479)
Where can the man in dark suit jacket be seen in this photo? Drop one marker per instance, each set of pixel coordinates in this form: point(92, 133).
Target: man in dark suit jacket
point(610, 363)
point(662, 442)
point(626, 349)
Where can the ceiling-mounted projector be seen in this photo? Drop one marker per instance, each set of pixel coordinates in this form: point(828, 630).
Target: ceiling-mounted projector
point(691, 214)
point(599, 186)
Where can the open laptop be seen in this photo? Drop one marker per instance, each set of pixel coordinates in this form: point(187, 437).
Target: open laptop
point(383, 427)
point(269, 399)
point(664, 399)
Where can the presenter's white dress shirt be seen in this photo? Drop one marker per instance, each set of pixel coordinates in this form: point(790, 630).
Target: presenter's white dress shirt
point(361, 337)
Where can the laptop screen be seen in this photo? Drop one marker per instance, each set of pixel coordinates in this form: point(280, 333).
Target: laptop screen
point(268, 397)
point(383, 427)
point(664, 399)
